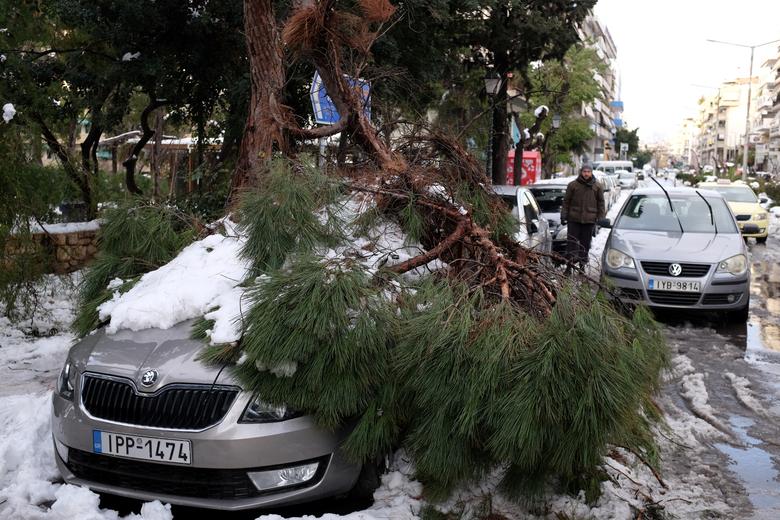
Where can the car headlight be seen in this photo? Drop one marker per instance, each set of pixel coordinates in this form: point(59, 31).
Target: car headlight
point(735, 265)
point(258, 411)
point(761, 216)
point(617, 259)
point(65, 381)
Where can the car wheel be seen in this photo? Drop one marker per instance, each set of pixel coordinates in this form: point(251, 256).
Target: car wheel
point(740, 315)
point(367, 482)
point(761, 240)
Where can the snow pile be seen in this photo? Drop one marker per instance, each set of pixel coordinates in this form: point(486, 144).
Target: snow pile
point(192, 284)
point(745, 396)
point(8, 112)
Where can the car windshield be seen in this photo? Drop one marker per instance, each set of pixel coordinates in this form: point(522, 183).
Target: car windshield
point(550, 199)
point(652, 213)
point(736, 193)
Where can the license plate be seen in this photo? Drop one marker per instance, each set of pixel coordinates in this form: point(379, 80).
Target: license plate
point(144, 448)
point(673, 285)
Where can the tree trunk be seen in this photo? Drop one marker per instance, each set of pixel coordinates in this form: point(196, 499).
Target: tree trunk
point(148, 133)
point(500, 128)
point(156, 154)
point(267, 73)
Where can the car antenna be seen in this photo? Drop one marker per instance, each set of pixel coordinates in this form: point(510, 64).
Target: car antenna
point(652, 177)
point(712, 215)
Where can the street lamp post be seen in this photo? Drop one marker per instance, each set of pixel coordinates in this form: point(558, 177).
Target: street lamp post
point(492, 87)
point(750, 93)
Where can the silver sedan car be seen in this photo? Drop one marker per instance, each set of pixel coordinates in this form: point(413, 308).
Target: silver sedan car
point(137, 414)
point(680, 249)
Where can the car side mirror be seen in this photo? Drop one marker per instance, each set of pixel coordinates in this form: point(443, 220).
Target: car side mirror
point(750, 229)
point(604, 222)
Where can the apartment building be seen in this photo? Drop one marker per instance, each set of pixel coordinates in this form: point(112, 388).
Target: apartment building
point(605, 114)
point(765, 127)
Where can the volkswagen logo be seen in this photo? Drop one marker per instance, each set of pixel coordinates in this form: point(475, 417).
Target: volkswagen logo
point(675, 269)
point(149, 377)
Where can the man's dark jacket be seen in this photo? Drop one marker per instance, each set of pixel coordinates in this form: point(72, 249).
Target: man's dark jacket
point(583, 202)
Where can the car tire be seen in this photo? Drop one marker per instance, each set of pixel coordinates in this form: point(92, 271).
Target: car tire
point(367, 482)
point(740, 315)
point(761, 240)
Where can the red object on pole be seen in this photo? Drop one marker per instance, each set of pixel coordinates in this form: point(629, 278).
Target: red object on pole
point(532, 167)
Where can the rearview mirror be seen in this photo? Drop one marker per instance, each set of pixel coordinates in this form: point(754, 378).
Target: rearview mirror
point(604, 222)
point(750, 229)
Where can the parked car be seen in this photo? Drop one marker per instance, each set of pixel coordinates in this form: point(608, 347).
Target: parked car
point(611, 188)
point(679, 249)
point(765, 201)
point(745, 205)
point(628, 180)
point(549, 194)
point(533, 230)
point(137, 414)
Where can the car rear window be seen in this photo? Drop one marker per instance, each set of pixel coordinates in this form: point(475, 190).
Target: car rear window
point(736, 193)
point(652, 213)
point(550, 199)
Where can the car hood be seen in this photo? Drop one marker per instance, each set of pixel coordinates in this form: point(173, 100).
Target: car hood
point(746, 208)
point(171, 352)
point(664, 246)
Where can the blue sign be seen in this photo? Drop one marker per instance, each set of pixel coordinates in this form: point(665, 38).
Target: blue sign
point(515, 131)
point(325, 112)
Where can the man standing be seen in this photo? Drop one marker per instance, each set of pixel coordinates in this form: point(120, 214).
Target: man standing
point(583, 205)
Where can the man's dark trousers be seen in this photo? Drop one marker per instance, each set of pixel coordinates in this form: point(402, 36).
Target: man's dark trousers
point(578, 244)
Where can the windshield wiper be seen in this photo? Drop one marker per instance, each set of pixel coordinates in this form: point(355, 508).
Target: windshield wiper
point(712, 215)
point(671, 207)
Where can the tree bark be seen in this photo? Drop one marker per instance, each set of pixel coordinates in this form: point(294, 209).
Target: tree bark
point(156, 153)
point(267, 74)
point(500, 127)
point(148, 133)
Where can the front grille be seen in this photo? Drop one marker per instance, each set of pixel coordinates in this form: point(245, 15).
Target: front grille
point(180, 407)
point(743, 218)
point(630, 294)
point(219, 484)
point(673, 298)
point(688, 270)
point(720, 299)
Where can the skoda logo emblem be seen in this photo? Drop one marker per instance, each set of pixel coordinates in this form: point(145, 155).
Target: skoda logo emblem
point(149, 378)
point(675, 269)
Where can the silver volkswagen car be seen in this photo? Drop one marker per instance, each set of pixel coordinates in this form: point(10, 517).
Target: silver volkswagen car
point(137, 414)
point(678, 248)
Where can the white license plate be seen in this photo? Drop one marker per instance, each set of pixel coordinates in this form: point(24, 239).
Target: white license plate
point(673, 285)
point(144, 448)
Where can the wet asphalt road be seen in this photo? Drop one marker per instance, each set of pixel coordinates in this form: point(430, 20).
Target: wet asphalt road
point(728, 377)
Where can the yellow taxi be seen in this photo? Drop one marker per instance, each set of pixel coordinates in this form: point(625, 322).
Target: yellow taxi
point(744, 204)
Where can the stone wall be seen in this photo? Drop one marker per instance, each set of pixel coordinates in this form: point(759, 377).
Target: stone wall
point(65, 247)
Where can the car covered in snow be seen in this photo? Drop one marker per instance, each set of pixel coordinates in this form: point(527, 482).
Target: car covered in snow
point(138, 414)
point(533, 230)
point(679, 248)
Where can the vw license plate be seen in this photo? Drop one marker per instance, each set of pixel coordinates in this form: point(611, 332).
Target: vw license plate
point(144, 448)
point(673, 285)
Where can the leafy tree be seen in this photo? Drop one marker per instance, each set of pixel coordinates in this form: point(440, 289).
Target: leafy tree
point(509, 35)
point(563, 86)
point(624, 135)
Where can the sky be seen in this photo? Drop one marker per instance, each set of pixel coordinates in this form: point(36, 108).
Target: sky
point(663, 53)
